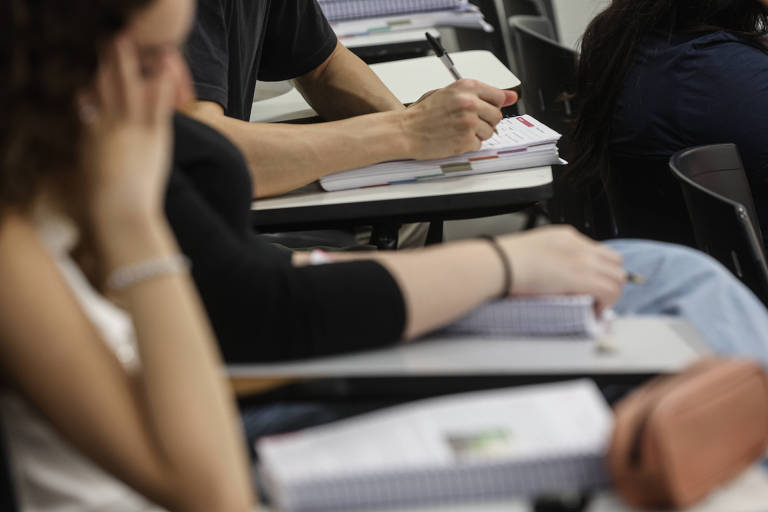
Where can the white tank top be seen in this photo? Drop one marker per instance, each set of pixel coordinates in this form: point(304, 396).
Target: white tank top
point(50, 475)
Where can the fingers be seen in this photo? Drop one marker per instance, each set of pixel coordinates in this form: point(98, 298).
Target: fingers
point(118, 81)
point(128, 76)
point(107, 91)
point(160, 94)
point(491, 95)
point(511, 98)
point(489, 116)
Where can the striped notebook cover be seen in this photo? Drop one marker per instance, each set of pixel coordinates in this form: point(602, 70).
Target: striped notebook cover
point(339, 10)
point(562, 315)
point(471, 447)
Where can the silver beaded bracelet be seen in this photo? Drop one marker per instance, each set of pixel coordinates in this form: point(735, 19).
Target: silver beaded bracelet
point(124, 277)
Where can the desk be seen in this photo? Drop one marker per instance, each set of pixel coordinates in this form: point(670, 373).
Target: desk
point(408, 79)
point(387, 207)
point(646, 346)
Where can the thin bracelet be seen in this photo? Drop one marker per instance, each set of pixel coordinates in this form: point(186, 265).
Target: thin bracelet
point(125, 277)
point(506, 265)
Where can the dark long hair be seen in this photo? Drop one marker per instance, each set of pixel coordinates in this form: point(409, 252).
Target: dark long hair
point(610, 42)
point(49, 51)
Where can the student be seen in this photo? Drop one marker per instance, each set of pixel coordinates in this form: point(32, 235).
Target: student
point(236, 42)
point(266, 304)
point(657, 77)
point(105, 408)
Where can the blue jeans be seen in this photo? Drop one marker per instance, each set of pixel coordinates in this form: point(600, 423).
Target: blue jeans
point(686, 283)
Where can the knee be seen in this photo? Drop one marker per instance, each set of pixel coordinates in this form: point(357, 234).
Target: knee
point(670, 261)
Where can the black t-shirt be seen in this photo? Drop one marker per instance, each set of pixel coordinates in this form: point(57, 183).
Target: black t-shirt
point(261, 307)
point(234, 43)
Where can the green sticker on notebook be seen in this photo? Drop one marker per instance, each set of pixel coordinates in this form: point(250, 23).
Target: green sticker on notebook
point(457, 167)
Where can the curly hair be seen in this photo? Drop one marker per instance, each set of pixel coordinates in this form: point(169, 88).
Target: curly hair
point(49, 51)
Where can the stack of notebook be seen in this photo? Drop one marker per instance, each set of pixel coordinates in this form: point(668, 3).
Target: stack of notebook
point(521, 142)
point(465, 16)
point(339, 10)
point(559, 315)
point(469, 447)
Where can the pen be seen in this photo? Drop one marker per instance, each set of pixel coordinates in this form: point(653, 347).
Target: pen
point(635, 278)
point(443, 55)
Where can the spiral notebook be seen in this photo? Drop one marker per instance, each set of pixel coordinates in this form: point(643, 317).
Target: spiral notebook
point(469, 447)
point(560, 315)
point(338, 10)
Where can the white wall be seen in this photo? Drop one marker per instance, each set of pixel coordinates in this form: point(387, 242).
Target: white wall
point(573, 16)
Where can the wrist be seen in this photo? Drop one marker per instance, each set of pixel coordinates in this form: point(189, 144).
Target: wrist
point(127, 239)
point(397, 138)
point(505, 263)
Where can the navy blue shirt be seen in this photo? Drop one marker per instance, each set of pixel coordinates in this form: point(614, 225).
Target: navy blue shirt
point(692, 91)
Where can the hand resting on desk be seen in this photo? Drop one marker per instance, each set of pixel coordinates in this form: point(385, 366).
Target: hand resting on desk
point(443, 283)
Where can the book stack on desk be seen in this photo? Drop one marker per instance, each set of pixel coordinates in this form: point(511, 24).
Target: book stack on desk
point(521, 142)
point(465, 16)
point(469, 447)
point(340, 10)
point(567, 316)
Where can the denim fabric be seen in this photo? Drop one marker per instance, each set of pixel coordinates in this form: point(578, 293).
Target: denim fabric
point(687, 283)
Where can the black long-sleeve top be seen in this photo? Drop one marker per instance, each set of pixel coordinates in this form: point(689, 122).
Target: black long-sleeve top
point(261, 307)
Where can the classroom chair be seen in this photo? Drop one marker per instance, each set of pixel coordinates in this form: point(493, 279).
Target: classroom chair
point(722, 211)
point(548, 72)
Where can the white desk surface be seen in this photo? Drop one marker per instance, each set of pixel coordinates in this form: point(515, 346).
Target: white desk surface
point(313, 195)
point(644, 345)
point(408, 79)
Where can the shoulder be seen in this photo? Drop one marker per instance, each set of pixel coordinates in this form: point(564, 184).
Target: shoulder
point(728, 52)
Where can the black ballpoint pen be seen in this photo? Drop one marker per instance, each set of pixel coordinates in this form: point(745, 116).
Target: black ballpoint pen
point(443, 55)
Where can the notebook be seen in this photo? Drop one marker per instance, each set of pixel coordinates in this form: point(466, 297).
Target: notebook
point(338, 10)
point(468, 17)
point(498, 444)
point(521, 142)
point(562, 315)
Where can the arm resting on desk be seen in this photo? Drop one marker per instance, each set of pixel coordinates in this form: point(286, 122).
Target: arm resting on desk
point(285, 157)
point(344, 86)
point(440, 284)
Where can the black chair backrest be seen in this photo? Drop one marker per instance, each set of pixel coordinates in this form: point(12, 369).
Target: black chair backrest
point(547, 71)
point(722, 211)
point(7, 494)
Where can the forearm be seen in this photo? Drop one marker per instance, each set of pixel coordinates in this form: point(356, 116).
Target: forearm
point(182, 388)
point(163, 432)
point(344, 86)
point(439, 284)
point(284, 157)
